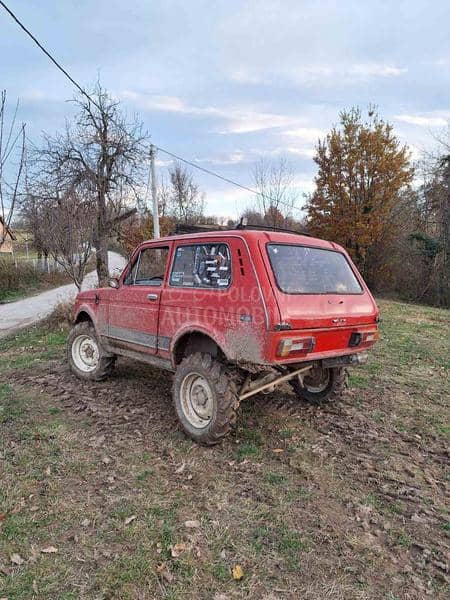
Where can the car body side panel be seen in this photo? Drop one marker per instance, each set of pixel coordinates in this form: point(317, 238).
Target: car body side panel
point(235, 317)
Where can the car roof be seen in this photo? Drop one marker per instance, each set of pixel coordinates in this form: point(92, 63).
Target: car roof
point(252, 235)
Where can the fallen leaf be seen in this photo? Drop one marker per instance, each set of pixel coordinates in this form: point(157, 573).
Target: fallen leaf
point(16, 559)
point(164, 572)
point(106, 460)
point(129, 520)
point(277, 450)
point(48, 470)
point(177, 549)
point(180, 469)
point(2, 518)
point(237, 572)
point(49, 550)
point(192, 524)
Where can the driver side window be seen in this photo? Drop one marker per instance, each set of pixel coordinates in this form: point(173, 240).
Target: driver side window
point(149, 267)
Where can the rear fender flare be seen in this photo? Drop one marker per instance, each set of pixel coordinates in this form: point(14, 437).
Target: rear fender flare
point(193, 329)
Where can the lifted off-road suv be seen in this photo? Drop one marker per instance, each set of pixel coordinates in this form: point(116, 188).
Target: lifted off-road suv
point(233, 313)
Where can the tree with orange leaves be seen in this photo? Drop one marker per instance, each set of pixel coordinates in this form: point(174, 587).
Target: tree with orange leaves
point(364, 174)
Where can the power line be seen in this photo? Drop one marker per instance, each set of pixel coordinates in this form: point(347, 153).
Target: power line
point(177, 157)
point(47, 53)
point(236, 183)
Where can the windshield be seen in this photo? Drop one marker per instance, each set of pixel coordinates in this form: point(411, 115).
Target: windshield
point(304, 270)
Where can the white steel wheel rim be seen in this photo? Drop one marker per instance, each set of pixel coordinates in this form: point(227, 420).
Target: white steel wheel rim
point(85, 353)
point(197, 400)
point(320, 378)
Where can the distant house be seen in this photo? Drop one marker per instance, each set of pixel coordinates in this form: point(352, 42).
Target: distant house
point(7, 236)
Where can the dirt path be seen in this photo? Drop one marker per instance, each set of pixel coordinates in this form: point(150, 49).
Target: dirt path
point(16, 315)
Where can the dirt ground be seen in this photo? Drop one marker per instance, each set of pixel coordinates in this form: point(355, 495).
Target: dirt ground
point(103, 497)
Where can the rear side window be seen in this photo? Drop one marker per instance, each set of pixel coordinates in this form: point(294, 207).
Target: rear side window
point(304, 270)
point(201, 265)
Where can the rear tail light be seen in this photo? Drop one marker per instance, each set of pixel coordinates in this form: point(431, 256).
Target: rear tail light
point(363, 337)
point(298, 345)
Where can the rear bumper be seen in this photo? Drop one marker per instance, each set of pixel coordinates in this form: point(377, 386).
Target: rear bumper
point(330, 343)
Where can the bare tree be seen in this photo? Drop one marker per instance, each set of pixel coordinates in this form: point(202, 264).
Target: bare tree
point(63, 225)
point(12, 163)
point(434, 236)
point(277, 195)
point(164, 195)
point(186, 199)
point(70, 221)
point(105, 154)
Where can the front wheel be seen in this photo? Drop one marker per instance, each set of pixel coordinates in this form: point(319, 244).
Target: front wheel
point(205, 398)
point(321, 385)
point(86, 357)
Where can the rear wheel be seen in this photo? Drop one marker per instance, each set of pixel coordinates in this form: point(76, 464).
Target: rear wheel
point(321, 385)
point(205, 398)
point(86, 357)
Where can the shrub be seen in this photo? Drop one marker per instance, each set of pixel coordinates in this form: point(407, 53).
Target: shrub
point(12, 277)
point(21, 276)
point(61, 316)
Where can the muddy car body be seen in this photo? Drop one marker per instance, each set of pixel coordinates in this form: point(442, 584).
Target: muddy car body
point(232, 313)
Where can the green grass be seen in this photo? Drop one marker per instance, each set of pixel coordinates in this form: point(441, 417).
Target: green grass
point(14, 295)
point(274, 478)
point(248, 451)
point(31, 346)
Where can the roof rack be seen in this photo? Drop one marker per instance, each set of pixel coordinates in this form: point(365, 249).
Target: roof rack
point(181, 228)
point(270, 228)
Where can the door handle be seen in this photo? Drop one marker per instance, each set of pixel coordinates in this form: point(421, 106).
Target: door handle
point(152, 296)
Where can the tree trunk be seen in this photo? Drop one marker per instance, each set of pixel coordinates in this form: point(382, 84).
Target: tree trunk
point(101, 253)
point(102, 242)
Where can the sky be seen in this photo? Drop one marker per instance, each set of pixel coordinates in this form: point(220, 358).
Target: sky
point(225, 82)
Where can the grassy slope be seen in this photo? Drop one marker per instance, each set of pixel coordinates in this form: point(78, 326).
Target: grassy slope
point(347, 502)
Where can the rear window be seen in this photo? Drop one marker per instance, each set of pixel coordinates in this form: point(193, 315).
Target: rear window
point(305, 270)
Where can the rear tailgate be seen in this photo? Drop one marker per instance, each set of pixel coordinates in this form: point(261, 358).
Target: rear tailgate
point(321, 310)
point(318, 311)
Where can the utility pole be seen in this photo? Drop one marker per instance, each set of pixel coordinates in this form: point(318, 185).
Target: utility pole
point(156, 233)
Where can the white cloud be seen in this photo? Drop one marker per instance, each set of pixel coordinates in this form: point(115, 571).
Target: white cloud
point(306, 152)
point(168, 104)
point(237, 119)
point(369, 70)
point(302, 152)
point(426, 119)
point(306, 134)
point(232, 158)
point(316, 73)
point(249, 121)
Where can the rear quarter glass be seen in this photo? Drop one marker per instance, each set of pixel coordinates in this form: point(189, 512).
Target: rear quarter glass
point(301, 269)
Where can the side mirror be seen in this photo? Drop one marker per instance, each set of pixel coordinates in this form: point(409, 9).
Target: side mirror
point(114, 282)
